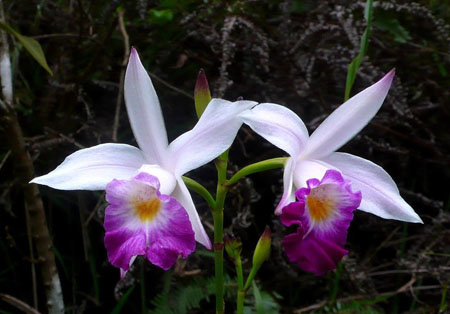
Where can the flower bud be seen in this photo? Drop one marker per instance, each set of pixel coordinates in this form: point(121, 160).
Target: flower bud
point(202, 95)
point(262, 250)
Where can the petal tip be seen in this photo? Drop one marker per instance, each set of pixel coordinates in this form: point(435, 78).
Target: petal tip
point(418, 220)
point(207, 243)
point(134, 56)
point(389, 77)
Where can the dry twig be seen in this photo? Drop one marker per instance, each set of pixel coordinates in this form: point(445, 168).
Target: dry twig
point(18, 304)
point(126, 54)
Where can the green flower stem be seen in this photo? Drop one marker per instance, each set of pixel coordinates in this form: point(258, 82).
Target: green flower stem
point(264, 165)
point(250, 278)
point(240, 282)
point(218, 259)
point(201, 190)
point(240, 301)
point(243, 291)
point(217, 211)
point(239, 273)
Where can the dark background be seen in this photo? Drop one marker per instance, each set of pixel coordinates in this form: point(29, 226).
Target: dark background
point(294, 53)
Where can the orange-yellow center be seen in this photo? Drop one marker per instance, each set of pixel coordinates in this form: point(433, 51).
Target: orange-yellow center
point(319, 208)
point(147, 211)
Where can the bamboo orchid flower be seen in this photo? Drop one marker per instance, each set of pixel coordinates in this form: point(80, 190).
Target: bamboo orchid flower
point(311, 156)
point(143, 185)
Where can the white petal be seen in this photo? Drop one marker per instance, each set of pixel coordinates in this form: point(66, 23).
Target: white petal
point(309, 169)
point(144, 111)
point(212, 135)
point(166, 179)
point(288, 192)
point(92, 168)
point(279, 125)
point(380, 193)
point(181, 194)
point(348, 119)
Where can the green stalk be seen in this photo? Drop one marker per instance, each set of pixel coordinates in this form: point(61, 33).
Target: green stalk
point(218, 258)
point(240, 282)
point(201, 190)
point(240, 301)
point(250, 278)
point(239, 273)
point(243, 291)
point(264, 165)
point(221, 165)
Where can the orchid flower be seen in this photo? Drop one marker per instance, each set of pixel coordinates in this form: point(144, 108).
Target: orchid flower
point(323, 212)
point(142, 182)
point(311, 156)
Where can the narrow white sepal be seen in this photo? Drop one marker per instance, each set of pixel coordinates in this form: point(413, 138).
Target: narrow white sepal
point(93, 168)
point(347, 120)
point(144, 111)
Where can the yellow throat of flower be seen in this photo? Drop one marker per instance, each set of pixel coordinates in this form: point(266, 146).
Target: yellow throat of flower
point(147, 211)
point(320, 208)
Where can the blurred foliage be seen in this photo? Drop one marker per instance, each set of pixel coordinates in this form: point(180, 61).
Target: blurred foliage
point(295, 53)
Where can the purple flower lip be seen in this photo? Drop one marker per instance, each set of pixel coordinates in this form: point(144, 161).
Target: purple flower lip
point(323, 212)
point(141, 221)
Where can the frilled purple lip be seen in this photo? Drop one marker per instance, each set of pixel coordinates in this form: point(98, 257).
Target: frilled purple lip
point(141, 221)
point(323, 212)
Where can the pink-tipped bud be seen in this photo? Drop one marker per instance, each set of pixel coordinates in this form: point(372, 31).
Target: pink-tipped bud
point(202, 95)
point(262, 250)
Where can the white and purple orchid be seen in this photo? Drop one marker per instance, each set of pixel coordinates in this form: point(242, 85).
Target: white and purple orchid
point(148, 198)
point(311, 156)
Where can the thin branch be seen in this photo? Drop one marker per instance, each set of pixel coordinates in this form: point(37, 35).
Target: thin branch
point(406, 287)
point(18, 304)
point(126, 54)
point(2, 163)
point(33, 264)
point(182, 92)
point(43, 36)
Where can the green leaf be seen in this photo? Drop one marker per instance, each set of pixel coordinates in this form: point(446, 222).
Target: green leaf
point(31, 45)
point(354, 65)
point(351, 75)
point(367, 10)
point(264, 302)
